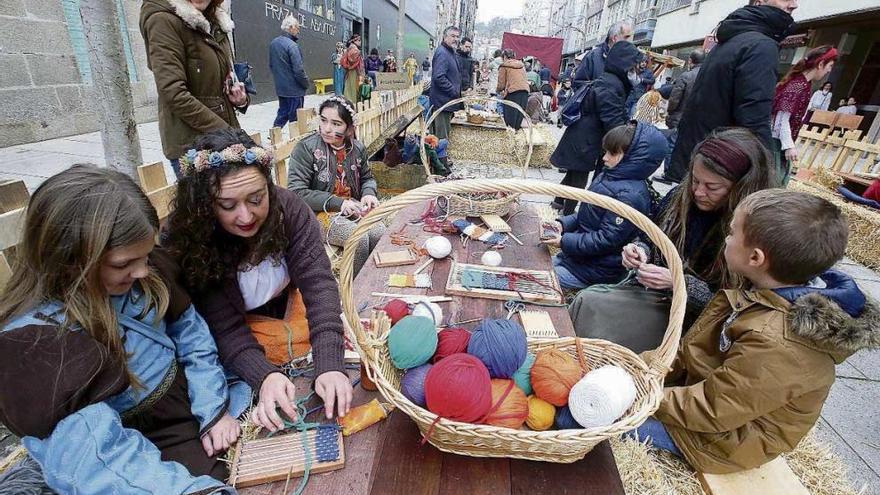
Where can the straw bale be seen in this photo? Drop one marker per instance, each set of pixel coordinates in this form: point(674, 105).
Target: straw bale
point(395, 180)
point(544, 145)
point(481, 145)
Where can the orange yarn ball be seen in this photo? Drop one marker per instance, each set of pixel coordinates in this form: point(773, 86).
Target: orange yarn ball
point(510, 407)
point(553, 375)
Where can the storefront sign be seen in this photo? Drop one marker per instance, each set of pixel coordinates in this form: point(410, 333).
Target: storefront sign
point(392, 80)
point(306, 20)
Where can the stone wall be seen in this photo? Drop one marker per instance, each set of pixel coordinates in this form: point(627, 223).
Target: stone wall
point(42, 87)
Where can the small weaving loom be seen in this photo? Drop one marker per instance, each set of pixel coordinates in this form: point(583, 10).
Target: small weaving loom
point(498, 282)
point(280, 457)
point(538, 325)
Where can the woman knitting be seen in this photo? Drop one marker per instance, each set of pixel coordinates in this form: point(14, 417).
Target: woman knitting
point(726, 167)
point(251, 255)
point(108, 372)
point(330, 171)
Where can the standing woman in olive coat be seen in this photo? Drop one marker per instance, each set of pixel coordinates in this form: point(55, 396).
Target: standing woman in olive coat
point(189, 51)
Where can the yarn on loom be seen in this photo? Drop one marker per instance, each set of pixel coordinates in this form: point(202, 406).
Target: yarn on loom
point(521, 375)
point(500, 345)
point(451, 341)
point(429, 310)
point(510, 408)
point(412, 342)
point(553, 375)
point(438, 247)
point(602, 396)
point(412, 384)
point(564, 420)
point(458, 388)
point(541, 414)
point(479, 233)
point(396, 309)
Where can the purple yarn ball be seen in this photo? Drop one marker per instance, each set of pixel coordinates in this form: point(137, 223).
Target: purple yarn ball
point(412, 384)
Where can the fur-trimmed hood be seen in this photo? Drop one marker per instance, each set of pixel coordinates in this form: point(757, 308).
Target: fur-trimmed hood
point(192, 16)
point(833, 313)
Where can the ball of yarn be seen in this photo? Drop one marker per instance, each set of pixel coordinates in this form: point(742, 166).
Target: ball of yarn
point(553, 375)
point(521, 375)
point(451, 341)
point(564, 420)
point(491, 258)
point(412, 342)
point(500, 345)
point(396, 309)
point(438, 247)
point(602, 396)
point(510, 407)
point(541, 414)
point(412, 384)
point(428, 310)
point(458, 388)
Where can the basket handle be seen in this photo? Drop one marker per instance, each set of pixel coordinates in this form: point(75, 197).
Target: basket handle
point(471, 99)
point(664, 354)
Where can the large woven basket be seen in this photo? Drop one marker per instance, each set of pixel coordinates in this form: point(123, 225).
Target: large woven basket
point(460, 205)
point(489, 441)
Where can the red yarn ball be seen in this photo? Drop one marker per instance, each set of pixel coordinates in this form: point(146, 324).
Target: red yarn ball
point(396, 309)
point(458, 388)
point(451, 341)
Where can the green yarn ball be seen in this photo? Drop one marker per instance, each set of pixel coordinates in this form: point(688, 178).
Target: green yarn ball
point(412, 341)
point(521, 375)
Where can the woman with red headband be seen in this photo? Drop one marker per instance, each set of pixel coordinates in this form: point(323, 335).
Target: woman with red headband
point(727, 166)
point(790, 104)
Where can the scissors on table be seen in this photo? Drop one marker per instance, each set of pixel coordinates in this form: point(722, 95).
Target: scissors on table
point(512, 306)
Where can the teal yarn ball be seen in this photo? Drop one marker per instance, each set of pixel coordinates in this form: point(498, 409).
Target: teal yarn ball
point(522, 375)
point(412, 341)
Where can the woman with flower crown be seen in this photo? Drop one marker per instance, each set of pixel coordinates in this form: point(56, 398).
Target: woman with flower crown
point(331, 172)
point(251, 256)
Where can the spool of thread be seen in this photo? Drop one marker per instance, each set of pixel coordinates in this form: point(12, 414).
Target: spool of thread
point(412, 342)
point(521, 375)
point(541, 414)
point(601, 397)
point(553, 375)
point(412, 384)
point(396, 309)
point(510, 407)
point(438, 247)
point(458, 388)
point(500, 345)
point(491, 258)
point(451, 341)
point(428, 309)
point(564, 420)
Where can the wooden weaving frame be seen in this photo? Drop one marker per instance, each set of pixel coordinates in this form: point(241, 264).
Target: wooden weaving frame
point(395, 258)
point(454, 287)
point(538, 324)
point(496, 223)
point(288, 456)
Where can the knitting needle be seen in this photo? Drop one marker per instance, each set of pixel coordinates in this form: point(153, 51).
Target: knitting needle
point(425, 265)
point(514, 238)
point(413, 296)
point(451, 323)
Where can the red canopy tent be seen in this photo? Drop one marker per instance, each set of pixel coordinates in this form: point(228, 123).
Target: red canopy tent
point(547, 50)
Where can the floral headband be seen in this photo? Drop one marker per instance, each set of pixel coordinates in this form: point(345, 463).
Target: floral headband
point(196, 161)
point(344, 103)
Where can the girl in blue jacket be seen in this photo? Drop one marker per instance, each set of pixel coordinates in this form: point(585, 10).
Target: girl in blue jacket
point(592, 238)
point(107, 372)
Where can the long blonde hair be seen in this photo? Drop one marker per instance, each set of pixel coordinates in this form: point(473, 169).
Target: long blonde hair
point(72, 219)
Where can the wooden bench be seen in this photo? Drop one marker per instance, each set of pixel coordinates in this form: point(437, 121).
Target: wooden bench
point(321, 85)
point(773, 478)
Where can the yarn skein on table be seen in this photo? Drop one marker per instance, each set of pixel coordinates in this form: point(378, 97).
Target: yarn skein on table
point(396, 309)
point(451, 341)
point(564, 420)
point(412, 342)
point(438, 247)
point(553, 375)
point(510, 407)
point(541, 414)
point(522, 376)
point(428, 310)
point(412, 384)
point(500, 345)
point(458, 388)
point(602, 396)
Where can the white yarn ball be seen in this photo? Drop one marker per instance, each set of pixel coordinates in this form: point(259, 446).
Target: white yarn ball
point(602, 396)
point(428, 310)
point(438, 247)
point(491, 258)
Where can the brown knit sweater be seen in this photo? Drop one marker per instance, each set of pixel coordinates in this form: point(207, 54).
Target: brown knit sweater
point(223, 306)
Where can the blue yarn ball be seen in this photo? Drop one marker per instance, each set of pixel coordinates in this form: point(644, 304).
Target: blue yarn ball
point(412, 341)
point(522, 376)
point(500, 345)
point(412, 384)
point(564, 420)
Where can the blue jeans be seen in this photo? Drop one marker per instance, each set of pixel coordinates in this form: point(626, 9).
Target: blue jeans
point(338, 79)
point(287, 107)
point(656, 434)
point(175, 166)
point(372, 75)
point(567, 280)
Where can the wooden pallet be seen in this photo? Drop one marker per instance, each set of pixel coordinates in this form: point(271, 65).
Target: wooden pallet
point(529, 292)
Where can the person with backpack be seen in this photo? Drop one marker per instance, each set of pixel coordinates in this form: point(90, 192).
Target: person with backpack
point(602, 107)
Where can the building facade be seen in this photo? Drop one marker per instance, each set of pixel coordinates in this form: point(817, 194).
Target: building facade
point(536, 17)
point(461, 13)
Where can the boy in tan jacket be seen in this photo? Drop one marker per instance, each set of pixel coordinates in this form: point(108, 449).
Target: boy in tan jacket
point(757, 365)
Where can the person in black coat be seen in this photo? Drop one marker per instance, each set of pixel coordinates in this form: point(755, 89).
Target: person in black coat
point(465, 63)
point(593, 237)
point(445, 81)
point(593, 63)
point(736, 82)
point(603, 108)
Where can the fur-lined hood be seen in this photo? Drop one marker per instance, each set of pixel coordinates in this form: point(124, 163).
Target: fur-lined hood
point(190, 15)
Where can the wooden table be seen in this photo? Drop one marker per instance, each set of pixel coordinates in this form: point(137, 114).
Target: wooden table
point(388, 458)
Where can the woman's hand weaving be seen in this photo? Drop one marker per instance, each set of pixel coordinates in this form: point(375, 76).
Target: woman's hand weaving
point(654, 277)
point(369, 202)
point(277, 391)
point(335, 388)
point(633, 256)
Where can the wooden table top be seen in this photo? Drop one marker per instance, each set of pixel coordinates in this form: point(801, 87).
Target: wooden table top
point(388, 458)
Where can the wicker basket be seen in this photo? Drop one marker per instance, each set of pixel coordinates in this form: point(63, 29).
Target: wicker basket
point(475, 119)
point(460, 205)
point(489, 441)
